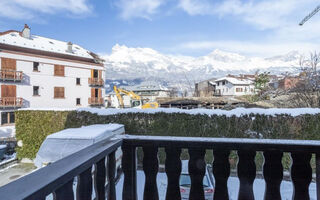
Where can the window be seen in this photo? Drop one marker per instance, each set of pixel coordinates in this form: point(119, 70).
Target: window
point(223, 82)
point(35, 66)
point(58, 70)
point(58, 92)
point(7, 118)
point(95, 73)
point(78, 102)
point(239, 89)
point(35, 90)
point(78, 81)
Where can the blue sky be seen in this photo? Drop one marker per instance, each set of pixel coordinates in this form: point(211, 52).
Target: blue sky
point(179, 27)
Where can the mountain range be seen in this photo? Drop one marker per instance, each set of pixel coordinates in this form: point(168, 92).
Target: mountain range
point(127, 66)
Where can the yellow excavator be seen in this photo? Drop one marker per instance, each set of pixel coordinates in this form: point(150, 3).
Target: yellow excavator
point(136, 101)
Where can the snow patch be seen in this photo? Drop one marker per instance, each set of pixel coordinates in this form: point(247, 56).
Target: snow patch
point(238, 112)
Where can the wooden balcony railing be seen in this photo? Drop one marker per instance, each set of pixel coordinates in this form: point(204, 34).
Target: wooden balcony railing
point(95, 101)
point(58, 177)
point(11, 102)
point(96, 81)
point(11, 75)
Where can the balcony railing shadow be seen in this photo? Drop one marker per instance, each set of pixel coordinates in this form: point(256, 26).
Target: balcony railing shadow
point(58, 177)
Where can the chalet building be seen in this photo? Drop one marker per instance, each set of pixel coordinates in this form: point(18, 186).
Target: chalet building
point(230, 86)
point(39, 72)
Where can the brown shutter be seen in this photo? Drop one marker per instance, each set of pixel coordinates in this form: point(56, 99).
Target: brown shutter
point(8, 91)
point(99, 93)
point(58, 70)
point(92, 72)
point(8, 64)
point(58, 92)
point(100, 74)
point(93, 92)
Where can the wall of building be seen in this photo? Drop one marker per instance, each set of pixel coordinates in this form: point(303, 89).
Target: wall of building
point(231, 90)
point(45, 79)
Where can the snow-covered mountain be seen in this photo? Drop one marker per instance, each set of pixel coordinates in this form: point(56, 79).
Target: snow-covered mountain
point(126, 63)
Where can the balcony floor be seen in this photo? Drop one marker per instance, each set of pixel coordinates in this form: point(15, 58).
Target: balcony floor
point(233, 186)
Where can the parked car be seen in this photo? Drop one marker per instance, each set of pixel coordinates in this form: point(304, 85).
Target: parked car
point(3, 149)
point(185, 182)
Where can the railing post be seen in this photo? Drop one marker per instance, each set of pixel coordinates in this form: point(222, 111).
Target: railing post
point(246, 174)
point(150, 168)
point(196, 167)
point(100, 179)
point(273, 174)
point(301, 175)
point(84, 188)
point(111, 176)
point(173, 170)
point(221, 171)
point(318, 175)
point(65, 191)
point(129, 171)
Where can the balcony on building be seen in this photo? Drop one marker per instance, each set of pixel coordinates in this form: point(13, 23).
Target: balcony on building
point(97, 82)
point(93, 176)
point(11, 75)
point(11, 102)
point(96, 101)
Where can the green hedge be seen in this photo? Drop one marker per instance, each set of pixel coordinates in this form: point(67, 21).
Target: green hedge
point(33, 126)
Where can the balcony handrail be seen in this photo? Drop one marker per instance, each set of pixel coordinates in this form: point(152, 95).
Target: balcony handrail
point(286, 145)
point(44, 181)
point(95, 81)
point(95, 100)
point(11, 101)
point(11, 74)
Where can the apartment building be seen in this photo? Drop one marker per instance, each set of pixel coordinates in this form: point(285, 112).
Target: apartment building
point(39, 72)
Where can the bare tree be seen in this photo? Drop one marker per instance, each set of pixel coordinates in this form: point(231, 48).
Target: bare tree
point(307, 91)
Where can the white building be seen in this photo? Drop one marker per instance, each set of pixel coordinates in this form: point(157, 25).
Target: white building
point(230, 86)
point(39, 72)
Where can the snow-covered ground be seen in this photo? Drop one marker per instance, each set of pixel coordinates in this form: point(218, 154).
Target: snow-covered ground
point(233, 186)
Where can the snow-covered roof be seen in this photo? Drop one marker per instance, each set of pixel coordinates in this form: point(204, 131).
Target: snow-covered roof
point(235, 81)
point(87, 132)
point(34, 42)
point(146, 86)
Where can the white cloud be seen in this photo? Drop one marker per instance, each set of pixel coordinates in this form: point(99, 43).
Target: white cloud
point(29, 9)
point(138, 8)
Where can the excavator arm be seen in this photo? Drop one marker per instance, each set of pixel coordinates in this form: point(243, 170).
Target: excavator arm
point(120, 99)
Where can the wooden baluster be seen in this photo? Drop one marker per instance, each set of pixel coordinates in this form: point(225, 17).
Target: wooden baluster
point(111, 176)
point(100, 179)
point(173, 170)
point(221, 171)
point(150, 168)
point(318, 175)
point(273, 174)
point(246, 174)
point(129, 170)
point(301, 175)
point(196, 167)
point(65, 191)
point(84, 188)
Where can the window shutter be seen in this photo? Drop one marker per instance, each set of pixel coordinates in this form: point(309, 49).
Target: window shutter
point(99, 92)
point(58, 70)
point(58, 92)
point(92, 92)
point(8, 91)
point(8, 64)
point(100, 74)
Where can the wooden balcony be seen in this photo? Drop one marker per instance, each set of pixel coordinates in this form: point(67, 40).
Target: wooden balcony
point(96, 101)
point(58, 177)
point(11, 75)
point(11, 102)
point(96, 82)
